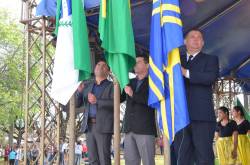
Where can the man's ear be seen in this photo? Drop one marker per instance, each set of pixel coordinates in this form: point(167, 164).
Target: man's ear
point(185, 41)
point(203, 43)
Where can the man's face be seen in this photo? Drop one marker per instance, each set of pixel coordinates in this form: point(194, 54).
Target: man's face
point(140, 66)
point(194, 41)
point(101, 69)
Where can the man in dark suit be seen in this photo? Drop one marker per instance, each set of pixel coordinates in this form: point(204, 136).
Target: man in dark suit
point(139, 121)
point(200, 71)
point(96, 97)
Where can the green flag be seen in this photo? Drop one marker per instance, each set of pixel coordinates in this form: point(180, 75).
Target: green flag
point(80, 40)
point(246, 113)
point(117, 37)
point(72, 57)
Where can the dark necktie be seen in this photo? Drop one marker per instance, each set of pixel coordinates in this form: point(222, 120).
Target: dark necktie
point(189, 60)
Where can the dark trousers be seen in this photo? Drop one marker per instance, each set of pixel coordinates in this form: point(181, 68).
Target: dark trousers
point(99, 146)
point(12, 161)
point(194, 144)
point(173, 155)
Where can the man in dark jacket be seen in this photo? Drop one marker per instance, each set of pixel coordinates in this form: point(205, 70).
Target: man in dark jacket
point(96, 97)
point(200, 71)
point(139, 124)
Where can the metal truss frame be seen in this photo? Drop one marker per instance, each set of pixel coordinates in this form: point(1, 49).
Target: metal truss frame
point(226, 91)
point(42, 114)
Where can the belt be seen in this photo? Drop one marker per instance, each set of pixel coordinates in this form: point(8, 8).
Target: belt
point(92, 120)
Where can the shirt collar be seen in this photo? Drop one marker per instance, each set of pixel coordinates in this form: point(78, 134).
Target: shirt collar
point(142, 79)
point(103, 81)
point(194, 55)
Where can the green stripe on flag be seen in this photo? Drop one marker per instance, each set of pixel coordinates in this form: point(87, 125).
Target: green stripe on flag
point(80, 40)
point(58, 9)
point(117, 38)
point(246, 113)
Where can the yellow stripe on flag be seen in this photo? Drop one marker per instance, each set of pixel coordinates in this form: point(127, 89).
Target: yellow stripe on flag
point(166, 7)
point(164, 118)
point(156, 70)
point(155, 89)
point(170, 19)
point(173, 59)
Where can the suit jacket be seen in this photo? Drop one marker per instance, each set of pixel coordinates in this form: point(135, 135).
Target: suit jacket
point(139, 117)
point(105, 108)
point(203, 72)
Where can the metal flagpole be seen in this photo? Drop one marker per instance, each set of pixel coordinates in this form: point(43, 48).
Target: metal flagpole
point(116, 121)
point(72, 131)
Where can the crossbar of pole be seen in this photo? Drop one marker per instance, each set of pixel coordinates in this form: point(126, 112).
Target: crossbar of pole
point(218, 15)
point(26, 21)
point(241, 65)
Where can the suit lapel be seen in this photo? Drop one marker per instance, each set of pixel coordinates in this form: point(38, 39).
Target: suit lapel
point(91, 87)
point(196, 59)
point(133, 84)
point(142, 85)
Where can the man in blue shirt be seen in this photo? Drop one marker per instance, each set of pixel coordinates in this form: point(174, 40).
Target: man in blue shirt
point(96, 98)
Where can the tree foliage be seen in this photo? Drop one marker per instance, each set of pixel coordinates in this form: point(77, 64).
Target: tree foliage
point(12, 75)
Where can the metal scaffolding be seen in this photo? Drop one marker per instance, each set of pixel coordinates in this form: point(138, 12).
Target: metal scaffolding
point(226, 91)
point(43, 116)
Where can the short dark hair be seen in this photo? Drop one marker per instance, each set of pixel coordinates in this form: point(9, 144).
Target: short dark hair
point(239, 109)
point(193, 29)
point(145, 58)
point(225, 110)
point(103, 60)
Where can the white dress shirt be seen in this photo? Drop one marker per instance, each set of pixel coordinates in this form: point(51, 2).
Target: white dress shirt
point(187, 73)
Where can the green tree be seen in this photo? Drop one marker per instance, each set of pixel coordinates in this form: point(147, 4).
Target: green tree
point(12, 75)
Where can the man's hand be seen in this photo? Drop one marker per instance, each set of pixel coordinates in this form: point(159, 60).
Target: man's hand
point(128, 90)
point(91, 98)
point(184, 71)
point(80, 87)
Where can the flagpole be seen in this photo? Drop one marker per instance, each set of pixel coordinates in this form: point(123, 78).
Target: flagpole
point(116, 121)
point(167, 159)
point(72, 130)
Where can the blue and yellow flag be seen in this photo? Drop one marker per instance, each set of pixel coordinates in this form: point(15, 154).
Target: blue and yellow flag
point(167, 91)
